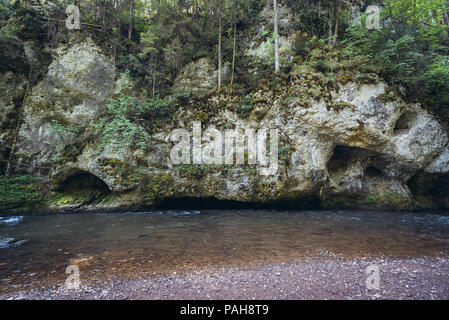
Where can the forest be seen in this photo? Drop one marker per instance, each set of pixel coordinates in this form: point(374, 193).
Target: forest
point(152, 40)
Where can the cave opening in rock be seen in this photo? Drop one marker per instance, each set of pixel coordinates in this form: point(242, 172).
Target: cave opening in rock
point(373, 172)
point(403, 124)
point(2, 168)
point(341, 157)
point(83, 181)
point(4, 155)
point(190, 203)
point(430, 189)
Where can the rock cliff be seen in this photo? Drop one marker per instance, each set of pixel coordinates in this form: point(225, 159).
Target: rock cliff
point(347, 144)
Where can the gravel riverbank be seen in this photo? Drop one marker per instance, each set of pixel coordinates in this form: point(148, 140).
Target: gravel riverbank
point(317, 278)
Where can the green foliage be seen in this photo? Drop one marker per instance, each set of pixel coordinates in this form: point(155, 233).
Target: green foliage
point(148, 39)
point(289, 99)
point(128, 119)
point(310, 16)
point(193, 170)
point(6, 8)
point(410, 51)
point(19, 191)
point(284, 152)
point(117, 126)
point(133, 65)
point(245, 109)
point(415, 12)
point(269, 49)
point(62, 131)
point(436, 78)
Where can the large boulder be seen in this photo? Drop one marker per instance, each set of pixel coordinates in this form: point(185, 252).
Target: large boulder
point(77, 85)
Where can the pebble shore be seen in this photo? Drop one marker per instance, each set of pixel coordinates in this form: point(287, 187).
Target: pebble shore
point(314, 278)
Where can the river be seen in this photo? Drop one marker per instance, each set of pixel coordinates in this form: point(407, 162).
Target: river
point(35, 250)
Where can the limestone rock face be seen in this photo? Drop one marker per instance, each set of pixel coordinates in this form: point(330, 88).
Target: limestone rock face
point(356, 147)
point(77, 85)
point(12, 89)
point(441, 164)
point(357, 151)
point(262, 49)
point(14, 71)
point(361, 148)
point(200, 77)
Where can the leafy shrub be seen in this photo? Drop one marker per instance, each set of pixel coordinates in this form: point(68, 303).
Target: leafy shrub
point(21, 189)
point(128, 120)
point(6, 9)
point(411, 50)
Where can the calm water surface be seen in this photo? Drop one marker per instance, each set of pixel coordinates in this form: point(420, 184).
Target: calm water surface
point(37, 249)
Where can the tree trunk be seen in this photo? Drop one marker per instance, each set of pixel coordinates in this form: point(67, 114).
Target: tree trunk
point(414, 11)
point(103, 14)
point(158, 14)
point(195, 10)
point(446, 14)
point(233, 52)
point(219, 44)
point(276, 45)
point(119, 32)
point(114, 48)
point(390, 13)
point(131, 19)
point(154, 76)
point(17, 129)
point(336, 15)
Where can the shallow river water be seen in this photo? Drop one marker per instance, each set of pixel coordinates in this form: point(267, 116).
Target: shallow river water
point(37, 249)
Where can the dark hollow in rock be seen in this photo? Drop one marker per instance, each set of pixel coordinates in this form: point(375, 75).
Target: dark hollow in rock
point(4, 155)
point(373, 172)
point(342, 157)
point(404, 123)
point(190, 203)
point(83, 181)
point(430, 189)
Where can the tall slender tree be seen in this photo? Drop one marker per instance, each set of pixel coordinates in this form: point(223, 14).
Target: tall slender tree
point(234, 49)
point(446, 14)
point(220, 27)
point(131, 19)
point(336, 18)
point(276, 42)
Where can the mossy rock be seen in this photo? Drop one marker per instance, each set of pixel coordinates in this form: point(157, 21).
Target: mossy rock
point(388, 96)
point(386, 200)
point(339, 106)
point(345, 78)
point(65, 200)
point(157, 185)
